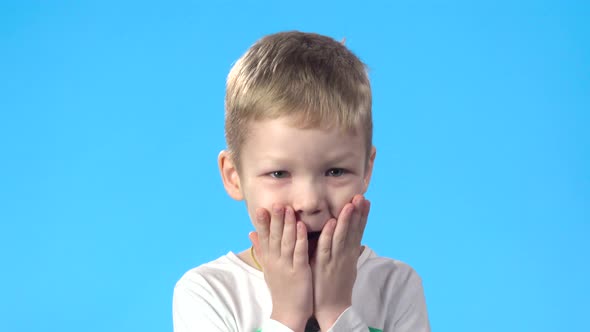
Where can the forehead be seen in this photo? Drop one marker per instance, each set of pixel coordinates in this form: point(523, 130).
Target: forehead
point(282, 138)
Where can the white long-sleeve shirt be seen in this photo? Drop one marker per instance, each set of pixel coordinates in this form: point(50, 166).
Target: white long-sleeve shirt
point(228, 295)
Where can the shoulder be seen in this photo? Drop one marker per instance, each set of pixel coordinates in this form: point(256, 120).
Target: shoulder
point(392, 291)
point(198, 299)
point(217, 296)
point(199, 282)
point(371, 263)
point(387, 274)
point(218, 274)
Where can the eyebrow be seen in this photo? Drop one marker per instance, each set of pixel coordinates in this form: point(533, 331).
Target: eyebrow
point(336, 159)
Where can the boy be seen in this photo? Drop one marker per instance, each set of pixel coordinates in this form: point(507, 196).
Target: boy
point(300, 154)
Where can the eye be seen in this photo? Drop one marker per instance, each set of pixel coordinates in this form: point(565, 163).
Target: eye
point(279, 174)
point(335, 172)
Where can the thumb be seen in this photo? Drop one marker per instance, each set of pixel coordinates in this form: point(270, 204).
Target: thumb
point(254, 239)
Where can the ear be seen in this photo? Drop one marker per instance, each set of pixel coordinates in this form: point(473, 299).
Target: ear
point(230, 176)
point(369, 169)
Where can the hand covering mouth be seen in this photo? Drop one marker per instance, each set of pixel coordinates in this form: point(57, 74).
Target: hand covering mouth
point(312, 242)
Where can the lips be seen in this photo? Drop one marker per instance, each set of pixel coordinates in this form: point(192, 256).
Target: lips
point(312, 242)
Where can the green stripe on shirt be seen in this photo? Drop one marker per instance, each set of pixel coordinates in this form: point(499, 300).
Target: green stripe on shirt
point(371, 329)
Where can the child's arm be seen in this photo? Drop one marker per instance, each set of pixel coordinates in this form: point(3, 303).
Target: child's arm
point(334, 267)
point(198, 307)
point(281, 243)
point(334, 274)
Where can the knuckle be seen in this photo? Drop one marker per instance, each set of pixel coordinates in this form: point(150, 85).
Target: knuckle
point(287, 245)
point(325, 250)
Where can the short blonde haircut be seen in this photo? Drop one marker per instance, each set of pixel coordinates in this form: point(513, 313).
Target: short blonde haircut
point(312, 79)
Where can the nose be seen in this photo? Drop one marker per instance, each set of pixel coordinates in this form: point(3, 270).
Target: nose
point(308, 198)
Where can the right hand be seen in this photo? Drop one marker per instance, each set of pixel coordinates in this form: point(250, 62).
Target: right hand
point(280, 243)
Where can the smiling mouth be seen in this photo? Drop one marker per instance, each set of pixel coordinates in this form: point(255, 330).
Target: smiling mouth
point(312, 242)
point(313, 235)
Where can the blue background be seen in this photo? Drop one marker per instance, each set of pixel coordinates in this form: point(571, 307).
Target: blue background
point(111, 119)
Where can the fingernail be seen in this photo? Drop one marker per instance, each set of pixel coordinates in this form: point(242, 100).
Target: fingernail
point(349, 208)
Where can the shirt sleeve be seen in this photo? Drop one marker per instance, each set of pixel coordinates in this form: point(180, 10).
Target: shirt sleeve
point(349, 321)
point(271, 325)
point(413, 316)
point(196, 308)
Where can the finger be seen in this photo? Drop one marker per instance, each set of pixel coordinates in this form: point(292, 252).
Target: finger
point(255, 240)
point(300, 253)
point(342, 226)
point(364, 218)
point(255, 243)
point(276, 230)
point(289, 234)
point(323, 252)
point(262, 229)
point(356, 228)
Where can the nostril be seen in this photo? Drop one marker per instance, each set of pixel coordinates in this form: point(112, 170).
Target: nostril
point(301, 213)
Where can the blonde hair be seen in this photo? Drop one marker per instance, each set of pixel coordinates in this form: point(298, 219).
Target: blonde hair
point(312, 79)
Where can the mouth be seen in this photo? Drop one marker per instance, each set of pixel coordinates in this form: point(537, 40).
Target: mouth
point(312, 242)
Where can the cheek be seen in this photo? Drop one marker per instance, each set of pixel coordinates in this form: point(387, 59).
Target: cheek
point(343, 195)
point(263, 196)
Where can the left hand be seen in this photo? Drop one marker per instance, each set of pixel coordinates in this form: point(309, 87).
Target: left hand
point(334, 264)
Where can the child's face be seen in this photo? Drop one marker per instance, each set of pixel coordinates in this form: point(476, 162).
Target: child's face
point(314, 171)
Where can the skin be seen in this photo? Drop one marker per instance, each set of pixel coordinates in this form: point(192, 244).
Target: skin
point(296, 181)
